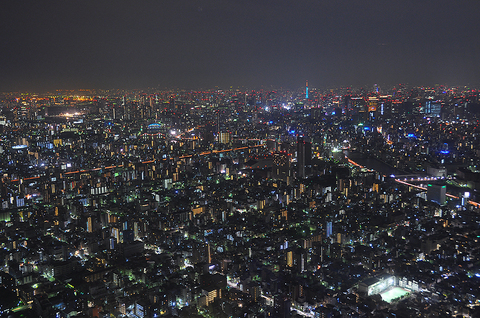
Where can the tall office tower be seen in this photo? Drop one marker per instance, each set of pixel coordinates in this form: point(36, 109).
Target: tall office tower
point(329, 229)
point(300, 157)
point(282, 306)
point(209, 254)
point(437, 193)
point(271, 145)
point(172, 105)
point(126, 113)
point(281, 166)
point(201, 253)
point(218, 123)
point(224, 137)
point(151, 108)
point(304, 155)
point(289, 258)
point(89, 225)
point(432, 108)
point(308, 153)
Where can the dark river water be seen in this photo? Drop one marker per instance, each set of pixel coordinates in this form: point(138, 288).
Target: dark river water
point(374, 164)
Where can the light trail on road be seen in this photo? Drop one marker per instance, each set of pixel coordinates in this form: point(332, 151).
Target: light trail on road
point(476, 204)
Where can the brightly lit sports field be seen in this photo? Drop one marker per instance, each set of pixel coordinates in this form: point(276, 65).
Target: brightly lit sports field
point(393, 293)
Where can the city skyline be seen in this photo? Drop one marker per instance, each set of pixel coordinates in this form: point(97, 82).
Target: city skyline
point(230, 203)
point(201, 158)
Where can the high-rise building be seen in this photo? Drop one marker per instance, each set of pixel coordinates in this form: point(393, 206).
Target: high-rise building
point(301, 157)
point(432, 108)
point(224, 137)
point(256, 293)
point(281, 166)
point(201, 253)
point(89, 225)
point(304, 156)
point(329, 229)
point(289, 258)
point(437, 193)
point(140, 309)
point(282, 306)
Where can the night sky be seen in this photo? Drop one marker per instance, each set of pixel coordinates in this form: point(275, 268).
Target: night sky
point(253, 43)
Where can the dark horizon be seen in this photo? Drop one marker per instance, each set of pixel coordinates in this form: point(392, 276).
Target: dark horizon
point(205, 44)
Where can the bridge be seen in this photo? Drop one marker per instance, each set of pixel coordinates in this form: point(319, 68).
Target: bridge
point(410, 179)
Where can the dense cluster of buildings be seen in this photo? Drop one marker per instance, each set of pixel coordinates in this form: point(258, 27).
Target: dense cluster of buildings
point(342, 203)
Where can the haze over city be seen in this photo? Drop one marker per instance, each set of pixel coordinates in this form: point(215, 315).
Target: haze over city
point(206, 44)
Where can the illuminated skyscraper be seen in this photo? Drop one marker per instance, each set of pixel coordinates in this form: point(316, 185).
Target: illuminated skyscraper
point(224, 137)
point(289, 257)
point(89, 225)
point(329, 229)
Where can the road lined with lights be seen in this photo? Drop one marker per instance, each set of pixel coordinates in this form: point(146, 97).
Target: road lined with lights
point(205, 153)
point(404, 182)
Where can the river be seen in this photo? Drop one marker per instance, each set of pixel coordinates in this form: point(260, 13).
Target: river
point(374, 164)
